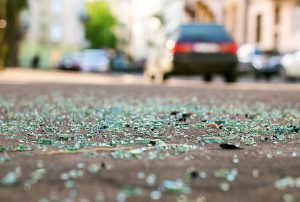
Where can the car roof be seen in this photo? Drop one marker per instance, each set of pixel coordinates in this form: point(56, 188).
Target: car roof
point(205, 32)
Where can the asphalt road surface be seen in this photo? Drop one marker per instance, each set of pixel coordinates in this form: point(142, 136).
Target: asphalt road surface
point(87, 137)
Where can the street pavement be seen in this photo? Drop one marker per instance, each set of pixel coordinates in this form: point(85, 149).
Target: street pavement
point(116, 137)
point(27, 76)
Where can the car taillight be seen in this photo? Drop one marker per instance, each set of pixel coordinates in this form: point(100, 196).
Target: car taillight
point(229, 48)
point(182, 47)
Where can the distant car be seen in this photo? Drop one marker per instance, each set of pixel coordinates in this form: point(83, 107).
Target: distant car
point(267, 64)
point(259, 63)
point(246, 53)
point(137, 65)
point(195, 49)
point(94, 60)
point(69, 62)
point(120, 62)
point(291, 65)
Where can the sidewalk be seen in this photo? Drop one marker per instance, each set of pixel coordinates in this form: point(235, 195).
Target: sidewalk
point(29, 76)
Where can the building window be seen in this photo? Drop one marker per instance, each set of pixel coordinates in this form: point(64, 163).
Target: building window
point(56, 7)
point(234, 20)
point(276, 39)
point(277, 14)
point(55, 33)
point(234, 11)
point(297, 17)
point(258, 28)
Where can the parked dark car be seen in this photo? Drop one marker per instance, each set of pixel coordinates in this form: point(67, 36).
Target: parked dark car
point(195, 49)
point(124, 63)
point(119, 62)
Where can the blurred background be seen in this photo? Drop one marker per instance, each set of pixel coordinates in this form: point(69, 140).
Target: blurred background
point(119, 35)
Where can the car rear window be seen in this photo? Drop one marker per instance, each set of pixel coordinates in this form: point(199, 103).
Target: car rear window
point(203, 33)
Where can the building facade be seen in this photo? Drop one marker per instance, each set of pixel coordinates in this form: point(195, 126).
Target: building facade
point(55, 28)
point(142, 25)
point(270, 24)
point(205, 10)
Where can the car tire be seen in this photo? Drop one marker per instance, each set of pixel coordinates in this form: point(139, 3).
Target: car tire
point(256, 76)
point(161, 78)
point(290, 79)
point(158, 78)
point(207, 78)
point(268, 76)
point(165, 77)
point(231, 77)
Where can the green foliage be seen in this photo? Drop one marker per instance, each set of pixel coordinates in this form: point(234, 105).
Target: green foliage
point(99, 26)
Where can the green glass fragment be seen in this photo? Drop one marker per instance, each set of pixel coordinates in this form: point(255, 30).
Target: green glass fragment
point(45, 141)
point(12, 177)
point(176, 186)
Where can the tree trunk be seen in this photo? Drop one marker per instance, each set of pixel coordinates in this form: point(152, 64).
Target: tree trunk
point(2, 33)
point(10, 36)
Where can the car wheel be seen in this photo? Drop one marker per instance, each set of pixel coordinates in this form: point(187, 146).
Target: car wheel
point(158, 78)
point(268, 76)
point(231, 77)
point(256, 76)
point(148, 77)
point(161, 78)
point(165, 77)
point(290, 79)
point(207, 78)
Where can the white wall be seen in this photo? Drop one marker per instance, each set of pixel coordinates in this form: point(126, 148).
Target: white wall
point(138, 15)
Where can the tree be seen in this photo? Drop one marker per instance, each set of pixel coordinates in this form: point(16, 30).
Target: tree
point(99, 26)
point(10, 31)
